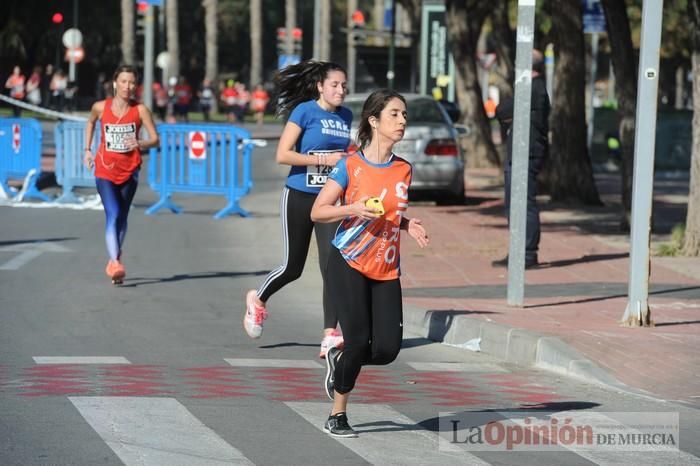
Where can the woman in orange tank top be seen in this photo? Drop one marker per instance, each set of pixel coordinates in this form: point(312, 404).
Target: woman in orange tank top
point(118, 159)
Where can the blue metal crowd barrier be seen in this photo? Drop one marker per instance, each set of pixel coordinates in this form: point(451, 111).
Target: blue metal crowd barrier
point(201, 159)
point(70, 170)
point(20, 155)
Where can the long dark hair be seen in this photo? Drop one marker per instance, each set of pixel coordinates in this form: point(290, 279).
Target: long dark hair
point(298, 83)
point(373, 106)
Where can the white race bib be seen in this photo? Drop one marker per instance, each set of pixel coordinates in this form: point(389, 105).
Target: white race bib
point(316, 175)
point(117, 136)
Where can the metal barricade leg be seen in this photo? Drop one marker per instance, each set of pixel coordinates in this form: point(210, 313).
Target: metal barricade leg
point(165, 202)
point(29, 189)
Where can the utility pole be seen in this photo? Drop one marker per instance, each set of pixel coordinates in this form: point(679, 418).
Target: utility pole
point(637, 312)
point(521, 151)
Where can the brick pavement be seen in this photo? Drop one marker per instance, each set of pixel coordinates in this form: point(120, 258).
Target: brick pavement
point(580, 292)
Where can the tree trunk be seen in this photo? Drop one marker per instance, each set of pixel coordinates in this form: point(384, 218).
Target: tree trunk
point(128, 7)
point(570, 174)
point(290, 22)
point(211, 69)
point(413, 10)
point(464, 21)
point(325, 31)
point(256, 51)
point(173, 42)
point(623, 61)
point(503, 39)
point(691, 243)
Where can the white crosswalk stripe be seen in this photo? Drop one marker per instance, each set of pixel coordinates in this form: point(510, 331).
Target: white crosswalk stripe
point(456, 367)
point(80, 360)
point(155, 431)
point(386, 436)
point(281, 363)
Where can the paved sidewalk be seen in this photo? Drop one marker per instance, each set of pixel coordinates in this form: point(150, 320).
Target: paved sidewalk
point(577, 296)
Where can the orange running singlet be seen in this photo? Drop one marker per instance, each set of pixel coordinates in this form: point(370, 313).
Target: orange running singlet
point(372, 246)
point(114, 161)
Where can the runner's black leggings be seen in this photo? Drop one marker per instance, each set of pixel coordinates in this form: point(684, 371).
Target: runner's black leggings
point(295, 212)
point(371, 316)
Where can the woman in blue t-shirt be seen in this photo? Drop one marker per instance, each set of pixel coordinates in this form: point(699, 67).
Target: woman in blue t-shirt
point(315, 137)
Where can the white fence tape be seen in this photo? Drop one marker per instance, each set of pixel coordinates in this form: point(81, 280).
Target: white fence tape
point(45, 111)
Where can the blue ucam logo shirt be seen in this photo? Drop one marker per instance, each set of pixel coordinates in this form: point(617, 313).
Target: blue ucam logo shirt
point(321, 131)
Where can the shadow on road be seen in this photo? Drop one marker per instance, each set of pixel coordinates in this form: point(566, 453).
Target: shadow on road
point(139, 281)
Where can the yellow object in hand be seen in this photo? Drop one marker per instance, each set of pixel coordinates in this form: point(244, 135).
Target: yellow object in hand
point(376, 204)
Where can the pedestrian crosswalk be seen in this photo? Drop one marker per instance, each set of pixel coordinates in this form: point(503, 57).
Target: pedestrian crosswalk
point(176, 430)
point(155, 431)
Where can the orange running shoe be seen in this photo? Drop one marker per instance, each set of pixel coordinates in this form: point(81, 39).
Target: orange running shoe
point(115, 271)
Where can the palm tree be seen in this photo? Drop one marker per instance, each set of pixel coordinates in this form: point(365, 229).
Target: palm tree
point(290, 11)
point(173, 38)
point(256, 56)
point(211, 34)
point(128, 7)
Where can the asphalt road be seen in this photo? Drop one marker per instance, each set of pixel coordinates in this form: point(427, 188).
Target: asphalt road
point(160, 371)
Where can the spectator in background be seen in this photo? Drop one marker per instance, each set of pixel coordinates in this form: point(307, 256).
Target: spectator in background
point(242, 101)
point(46, 85)
point(206, 98)
point(229, 97)
point(15, 84)
point(538, 153)
point(59, 83)
point(71, 94)
point(160, 99)
point(258, 102)
point(100, 88)
point(183, 99)
point(34, 87)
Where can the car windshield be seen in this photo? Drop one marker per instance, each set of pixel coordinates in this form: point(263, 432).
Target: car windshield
point(419, 111)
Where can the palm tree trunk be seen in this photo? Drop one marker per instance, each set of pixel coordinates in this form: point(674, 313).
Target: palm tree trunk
point(128, 9)
point(256, 53)
point(325, 32)
point(211, 34)
point(691, 243)
point(173, 38)
point(290, 22)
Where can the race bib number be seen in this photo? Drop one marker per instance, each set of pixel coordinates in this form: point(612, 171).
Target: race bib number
point(117, 137)
point(316, 175)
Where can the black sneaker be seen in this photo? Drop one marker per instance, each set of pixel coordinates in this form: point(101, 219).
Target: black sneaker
point(500, 262)
point(331, 358)
point(530, 263)
point(338, 426)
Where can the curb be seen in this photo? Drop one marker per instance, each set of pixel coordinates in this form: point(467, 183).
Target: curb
point(510, 344)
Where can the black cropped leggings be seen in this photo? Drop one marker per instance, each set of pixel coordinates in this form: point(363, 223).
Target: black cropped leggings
point(371, 316)
point(295, 212)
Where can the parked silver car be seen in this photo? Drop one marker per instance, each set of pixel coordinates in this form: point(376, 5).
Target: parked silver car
point(430, 143)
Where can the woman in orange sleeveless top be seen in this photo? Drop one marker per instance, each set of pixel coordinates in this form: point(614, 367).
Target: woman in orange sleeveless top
point(118, 159)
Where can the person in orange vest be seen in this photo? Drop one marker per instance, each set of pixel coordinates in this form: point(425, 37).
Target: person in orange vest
point(183, 98)
point(15, 83)
point(258, 102)
point(229, 99)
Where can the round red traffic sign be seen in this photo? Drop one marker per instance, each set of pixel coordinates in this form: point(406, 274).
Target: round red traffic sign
point(197, 144)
